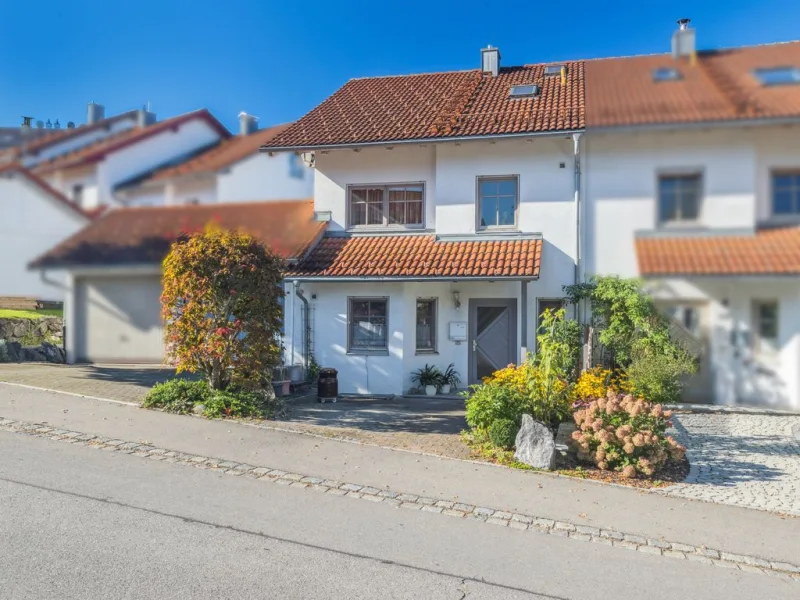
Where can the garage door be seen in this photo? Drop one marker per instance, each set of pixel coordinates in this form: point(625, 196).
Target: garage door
point(118, 320)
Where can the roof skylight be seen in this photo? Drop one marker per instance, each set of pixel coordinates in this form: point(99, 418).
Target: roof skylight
point(666, 74)
point(778, 75)
point(553, 69)
point(522, 91)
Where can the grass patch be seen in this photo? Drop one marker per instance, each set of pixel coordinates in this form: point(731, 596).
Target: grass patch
point(484, 449)
point(12, 313)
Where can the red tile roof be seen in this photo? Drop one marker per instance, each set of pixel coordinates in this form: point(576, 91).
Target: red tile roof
point(719, 86)
point(98, 150)
point(419, 257)
point(767, 252)
point(224, 154)
point(134, 236)
point(441, 105)
point(45, 187)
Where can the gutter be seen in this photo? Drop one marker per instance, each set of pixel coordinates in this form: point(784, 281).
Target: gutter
point(576, 139)
point(503, 136)
point(678, 125)
point(306, 327)
point(436, 278)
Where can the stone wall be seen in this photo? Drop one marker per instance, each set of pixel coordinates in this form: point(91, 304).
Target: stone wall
point(37, 340)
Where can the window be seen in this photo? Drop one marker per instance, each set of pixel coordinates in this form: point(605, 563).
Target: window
point(77, 194)
point(765, 325)
point(384, 206)
point(778, 75)
point(786, 194)
point(367, 322)
point(678, 198)
point(666, 74)
point(296, 167)
point(553, 70)
point(426, 325)
point(553, 305)
point(497, 201)
point(522, 91)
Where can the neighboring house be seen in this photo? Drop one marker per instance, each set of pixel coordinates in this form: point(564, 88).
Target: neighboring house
point(113, 269)
point(88, 174)
point(450, 205)
point(452, 202)
point(692, 180)
point(35, 218)
point(229, 170)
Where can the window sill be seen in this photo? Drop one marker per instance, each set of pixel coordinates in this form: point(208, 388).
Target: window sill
point(499, 229)
point(367, 353)
point(384, 228)
point(426, 353)
point(683, 224)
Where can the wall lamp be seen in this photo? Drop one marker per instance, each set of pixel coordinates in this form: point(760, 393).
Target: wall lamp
point(456, 300)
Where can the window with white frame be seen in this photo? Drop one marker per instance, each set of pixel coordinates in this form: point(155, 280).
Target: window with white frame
point(786, 194)
point(497, 201)
point(426, 325)
point(386, 205)
point(367, 320)
point(679, 198)
point(765, 326)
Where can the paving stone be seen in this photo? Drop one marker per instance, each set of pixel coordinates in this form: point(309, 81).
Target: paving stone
point(522, 518)
point(612, 535)
point(336, 492)
point(782, 566)
point(636, 539)
point(407, 497)
point(444, 504)
point(673, 553)
point(698, 558)
point(293, 477)
point(495, 521)
point(259, 471)
point(517, 525)
point(313, 480)
point(431, 508)
point(411, 505)
point(649, 549)
point(465, 507)
point(682, 547)
point(564, 526)
point(453, 512)
point(625, 544)
point(708, 552)
point(659, 544)
point(588, 530)
point(388, 494)
point(583, 537)
point(373, 498)
point(483, 511)
point(544, 523)
point(369, 490)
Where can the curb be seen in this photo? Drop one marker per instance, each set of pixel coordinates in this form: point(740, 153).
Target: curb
point(398, 499)
point(720, 409)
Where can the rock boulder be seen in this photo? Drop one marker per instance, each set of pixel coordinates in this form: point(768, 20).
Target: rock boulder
point(535, 444)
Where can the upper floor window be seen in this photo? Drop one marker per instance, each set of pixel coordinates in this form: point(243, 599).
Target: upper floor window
point(386, 205)
point(296, 167)
point(497, 201)
point(786, 194)
point(778, 75)
point(678, 198)
point(77, 194)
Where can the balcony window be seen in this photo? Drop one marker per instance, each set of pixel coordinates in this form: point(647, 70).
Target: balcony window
point(678, 198)
point(786, 194)
point(386, 206)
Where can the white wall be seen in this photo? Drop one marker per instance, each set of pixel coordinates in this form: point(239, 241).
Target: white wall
point(185, 191)
point(340, 168)
point(621, 177)
point(32, 223)
point(149, 153)
point(262, 177)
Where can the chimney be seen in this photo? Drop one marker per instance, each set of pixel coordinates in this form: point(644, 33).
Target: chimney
point(95, 112)
point(26, 123)
point(144, 117)
point(683, 40)
point(490, 60)
point(247, 124)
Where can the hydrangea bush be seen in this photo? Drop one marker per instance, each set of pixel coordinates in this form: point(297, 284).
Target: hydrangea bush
point(626, 434)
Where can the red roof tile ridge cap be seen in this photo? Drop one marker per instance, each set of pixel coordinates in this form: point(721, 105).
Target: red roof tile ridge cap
point(700, 52)
point(211, 205)
point(401, 75)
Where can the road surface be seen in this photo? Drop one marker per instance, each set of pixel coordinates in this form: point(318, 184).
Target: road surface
point(78, 522)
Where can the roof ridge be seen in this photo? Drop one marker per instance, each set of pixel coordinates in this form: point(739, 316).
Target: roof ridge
point(704, 51)
point(197, 207)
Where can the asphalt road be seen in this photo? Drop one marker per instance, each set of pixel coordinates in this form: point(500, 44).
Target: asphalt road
point(76, 522)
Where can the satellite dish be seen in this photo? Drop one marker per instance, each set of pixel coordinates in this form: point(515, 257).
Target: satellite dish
point(39, 124)
point(71, 125)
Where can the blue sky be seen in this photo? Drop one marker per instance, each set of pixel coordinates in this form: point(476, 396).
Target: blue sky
point(278, 59)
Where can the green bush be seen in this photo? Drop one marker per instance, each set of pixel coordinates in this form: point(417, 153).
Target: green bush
point(489, 402)
point(177, 395)
point(503, 433)
point(235, 402)
point(659, 377)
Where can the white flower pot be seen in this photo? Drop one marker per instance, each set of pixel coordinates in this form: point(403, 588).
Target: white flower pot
point(430, 390)
point(446, 388)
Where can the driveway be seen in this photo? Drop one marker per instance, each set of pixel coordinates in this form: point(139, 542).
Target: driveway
point(117, 382)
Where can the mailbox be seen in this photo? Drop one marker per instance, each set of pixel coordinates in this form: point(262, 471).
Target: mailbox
point(458, 331)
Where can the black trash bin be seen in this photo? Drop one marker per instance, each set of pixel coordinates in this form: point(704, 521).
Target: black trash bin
point(327, 385)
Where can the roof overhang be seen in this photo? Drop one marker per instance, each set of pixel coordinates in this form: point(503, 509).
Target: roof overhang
point(681, 125)
point(431, 140)
point(332, 279)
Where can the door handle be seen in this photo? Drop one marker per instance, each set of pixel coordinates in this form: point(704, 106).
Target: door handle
point(474, 345)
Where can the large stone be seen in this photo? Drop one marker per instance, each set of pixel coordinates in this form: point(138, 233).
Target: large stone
point(535, 444)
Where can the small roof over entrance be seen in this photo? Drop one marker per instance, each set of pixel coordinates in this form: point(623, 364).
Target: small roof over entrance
point(420, 257)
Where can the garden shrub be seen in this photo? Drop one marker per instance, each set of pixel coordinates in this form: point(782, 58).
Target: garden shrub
point(659, 377)
point(503, 433)
point(595, 383)
point(237, 402)
point(177, 395)
point(621, 433)
point(493, 401)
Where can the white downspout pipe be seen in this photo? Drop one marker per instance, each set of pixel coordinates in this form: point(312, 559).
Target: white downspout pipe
point(576, 142)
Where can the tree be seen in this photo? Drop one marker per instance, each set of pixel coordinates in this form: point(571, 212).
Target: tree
point(221, 307)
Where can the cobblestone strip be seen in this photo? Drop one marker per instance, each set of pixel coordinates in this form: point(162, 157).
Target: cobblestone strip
point(499, 518)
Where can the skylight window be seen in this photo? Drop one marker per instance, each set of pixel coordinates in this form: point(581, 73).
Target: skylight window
point(666, 74)
point(778, 75)
point(522, 91)
point(553, 70)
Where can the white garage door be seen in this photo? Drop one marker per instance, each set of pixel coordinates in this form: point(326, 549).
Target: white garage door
point(118, 320)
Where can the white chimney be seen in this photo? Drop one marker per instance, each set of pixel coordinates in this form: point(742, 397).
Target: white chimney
point(683, 40)
point(144, 117)
point(95, 112)
point(247, 124)
point(490, 60)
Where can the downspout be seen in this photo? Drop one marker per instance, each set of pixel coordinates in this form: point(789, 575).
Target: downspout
point(306, 327)
point(576, 141)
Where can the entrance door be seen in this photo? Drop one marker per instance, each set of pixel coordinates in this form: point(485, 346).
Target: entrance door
point(493, 336)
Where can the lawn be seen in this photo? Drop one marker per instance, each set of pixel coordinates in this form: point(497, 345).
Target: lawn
point(10, 313)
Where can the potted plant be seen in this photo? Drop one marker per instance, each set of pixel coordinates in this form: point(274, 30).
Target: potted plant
point(429, 377)
point(450, 379)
